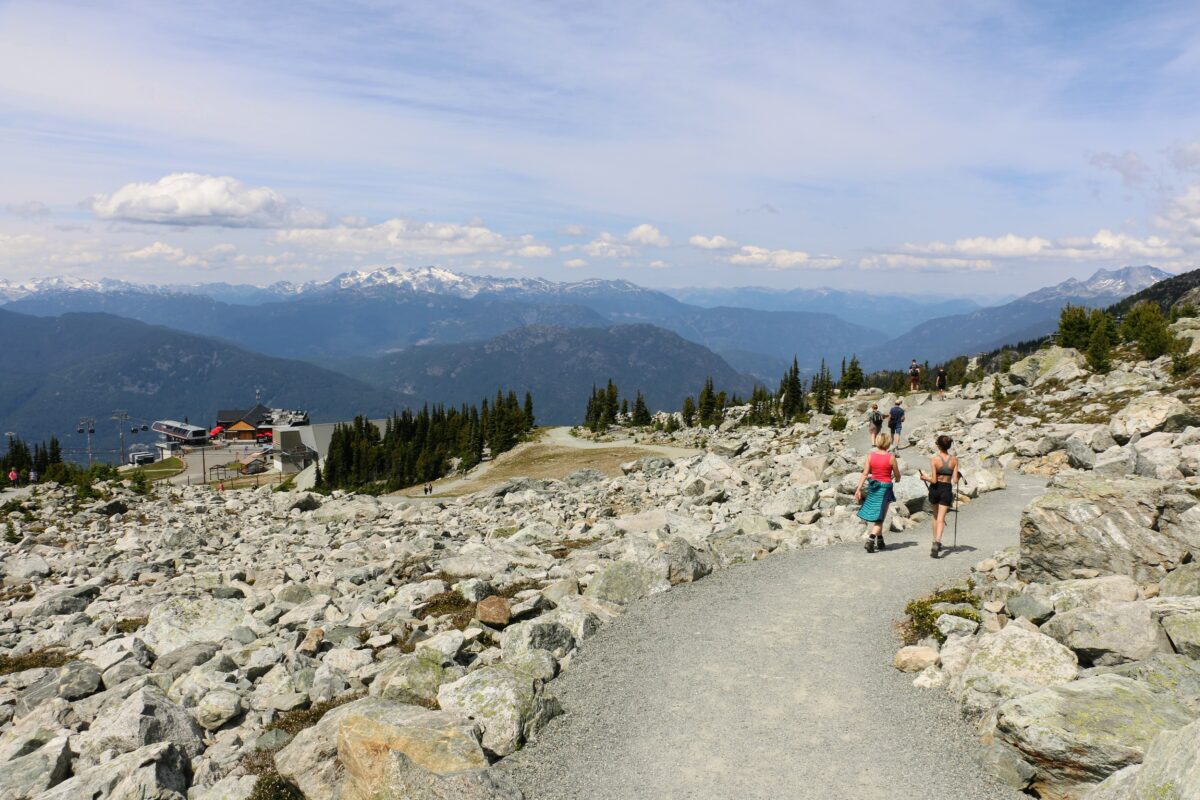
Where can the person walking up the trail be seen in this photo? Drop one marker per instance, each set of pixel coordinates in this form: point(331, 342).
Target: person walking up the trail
point(942, 482)
point(880, 471)
point(914, 376)
point(940, 380)
point(874, 421)
point(13, 477)
point(896, 423)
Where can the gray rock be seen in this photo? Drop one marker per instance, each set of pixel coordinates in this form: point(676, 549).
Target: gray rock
point(1024, 655)
point(155, 772)
point(1087, 592)
point(1077, 734)
point(537, 634)
point(231, 787)
point(71, 681)
point(1143, 415)
point(1107, 635)
point(182, 659)
point(1168, 673)
point(1130, 526)
point(145, 717)
point(508, 706)
point(1184, 632)
point(44, 762)
point(180, 621)
point(1035, 603)
point(414, 676)
point(1080, 455)
point(684, 563)
point(1169, 771)
point(1181, 581)
point(1006, 764)
point(950, 625)
point(624, 582)
point(217, 708)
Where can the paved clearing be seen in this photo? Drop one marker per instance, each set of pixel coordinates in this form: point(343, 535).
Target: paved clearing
point(773, 680)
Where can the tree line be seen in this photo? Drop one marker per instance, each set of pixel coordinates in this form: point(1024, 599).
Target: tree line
point(1096, 333)
point(42, 458)
point(421, 446)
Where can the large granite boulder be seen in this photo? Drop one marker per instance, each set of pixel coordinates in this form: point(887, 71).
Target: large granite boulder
point(145, 717)
point(1125, 526)
point(1077, 734)
point(1009, 663)
point(155, 772)
point(626, 581)
point(1181, 582)
point(1184, 632)
point(1169, 771)
point(411, 752)
point(1051, 363)
point(1107, 635)
point(181, 621)
point(508, 706)
point(414, 676)
point(1143, 415)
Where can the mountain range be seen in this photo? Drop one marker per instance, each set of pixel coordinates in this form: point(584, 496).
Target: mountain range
point(371, 341)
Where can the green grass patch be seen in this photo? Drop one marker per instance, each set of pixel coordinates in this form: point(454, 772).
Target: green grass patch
point(39, 659)
point(921, 621)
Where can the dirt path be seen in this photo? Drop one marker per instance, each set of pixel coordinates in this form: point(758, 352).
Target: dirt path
point(773, 680)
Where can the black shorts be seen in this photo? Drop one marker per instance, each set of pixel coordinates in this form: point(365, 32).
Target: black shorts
point(941, 494)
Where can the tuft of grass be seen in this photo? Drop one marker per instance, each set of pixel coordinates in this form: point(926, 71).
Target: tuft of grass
point(51, 659)
point(922, 618)
point(515, 587)
point(295, 721)
point(129, 624)
point(18, 593)
point(564, 549)
point(460, 609)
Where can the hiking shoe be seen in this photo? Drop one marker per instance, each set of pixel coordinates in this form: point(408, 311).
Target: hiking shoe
point(935, 550)
point(879, 543)
point(870, 545)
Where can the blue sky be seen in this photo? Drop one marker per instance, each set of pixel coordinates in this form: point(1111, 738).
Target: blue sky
point(909, 146)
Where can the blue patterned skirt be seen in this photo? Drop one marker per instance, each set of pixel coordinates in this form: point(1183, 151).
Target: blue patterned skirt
point(879, 494)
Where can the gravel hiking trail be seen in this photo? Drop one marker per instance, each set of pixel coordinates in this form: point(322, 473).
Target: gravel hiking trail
point(774, 680)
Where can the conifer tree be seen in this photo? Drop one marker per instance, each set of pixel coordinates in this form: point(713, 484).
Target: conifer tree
point(529, 418)
point(1100, 343)
point(852, 378)
point(641, 414)
point(689, 411)
point(1146, 326)
point(709, 413)
point(1074, 327)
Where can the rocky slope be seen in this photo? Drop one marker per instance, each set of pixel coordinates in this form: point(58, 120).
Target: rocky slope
point(1078, 652)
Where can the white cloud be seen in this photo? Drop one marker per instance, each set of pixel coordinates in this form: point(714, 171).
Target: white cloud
point(1182, 213)
point(530, 248)
point(574, 230)
point(1185, 157)
point(188, 198)
point(575, 263)
point(712, 242)
point(1105, 244)
point(400, 237)
point(647, 234)
point(155, 252)
point(905, 261)
point(658, 264)
point(776, 260)
point(604, 246)
point(1129, 165)
point(28, 209)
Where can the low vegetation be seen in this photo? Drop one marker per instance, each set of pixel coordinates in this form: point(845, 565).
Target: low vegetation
point(44, 659)
point(921, 622)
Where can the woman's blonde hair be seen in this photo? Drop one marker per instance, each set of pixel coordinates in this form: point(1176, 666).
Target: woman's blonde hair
point(883, 440)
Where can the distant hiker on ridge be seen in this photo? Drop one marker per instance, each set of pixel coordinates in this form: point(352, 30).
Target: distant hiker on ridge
point(874, 421)
point(879, 473)
point(942, 480)
point(914, 376)
point(940, 381)
point(896, 422)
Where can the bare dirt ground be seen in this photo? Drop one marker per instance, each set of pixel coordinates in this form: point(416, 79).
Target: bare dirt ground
point(555, 454)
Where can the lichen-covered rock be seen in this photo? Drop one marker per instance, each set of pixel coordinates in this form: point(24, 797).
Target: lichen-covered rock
point(1025, 655)
point(1169, 673)
point(1090, 592)
point(1107, 635)
point(414, 676)
point(1184, 632)
point(1077, 734)
point(537, 634)
point(1169, 771)
point(1181, 581)
point(181, 621)
point(626, 581)
point(39, 763)
point(508, 706)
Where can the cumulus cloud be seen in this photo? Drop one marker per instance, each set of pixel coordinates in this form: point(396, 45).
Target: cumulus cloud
point(776, 260)
point(28, 209)
point(188, 198)
point(658, 264)
point(400, 237)
point(575, 263)
point(160, 252)
point(647, 234)
point(1182, 212)
point(712, 242)
point(1129, 165)
point(1008, 246)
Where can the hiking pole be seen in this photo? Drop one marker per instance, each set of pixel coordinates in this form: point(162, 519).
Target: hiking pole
point(956, 513)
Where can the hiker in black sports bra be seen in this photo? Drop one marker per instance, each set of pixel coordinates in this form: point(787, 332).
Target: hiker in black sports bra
point(941, 489)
